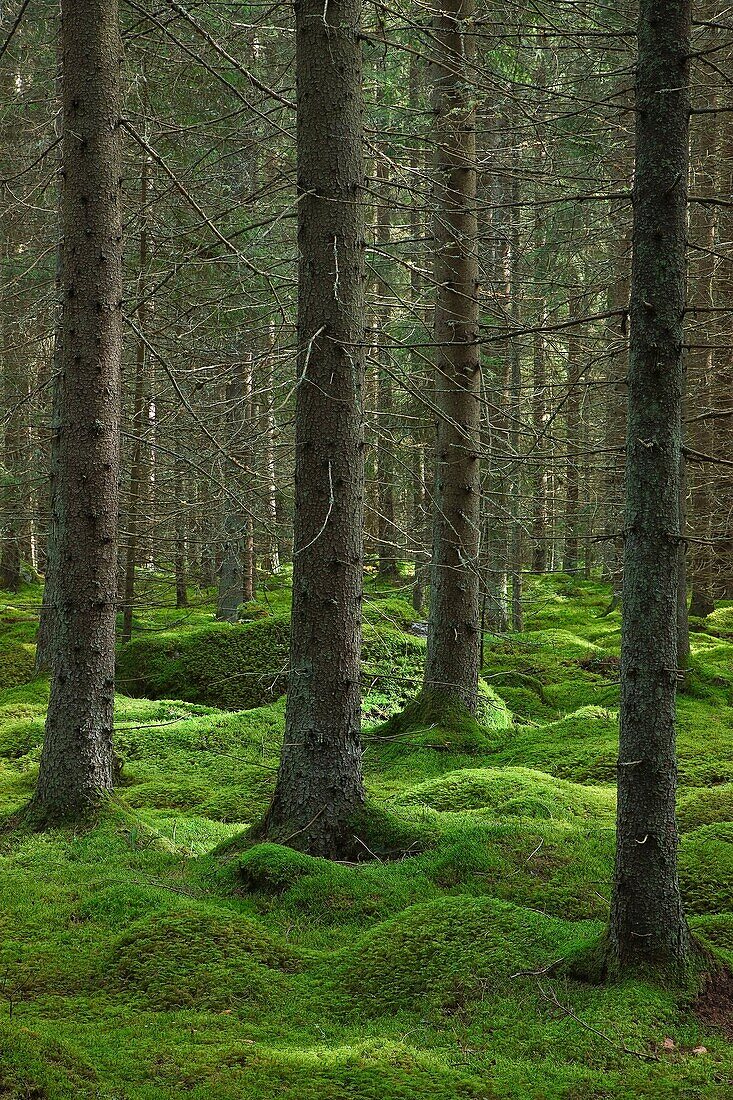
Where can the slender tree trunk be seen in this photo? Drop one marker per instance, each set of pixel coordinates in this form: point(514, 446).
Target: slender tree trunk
point(76, 762)
point(14, 368)
point(244, 551)
point(14, 456)
point(139, 414)
point(496, 427)
point(539, 357)
point(179, 544)
point(387, 551)
point(539, 420)
point(319, 785)
point(572, 466)
point(515, 413)
point(272, 560)
point(421, 314)
point(453, 656)
point(647, 919)
point(704, 334)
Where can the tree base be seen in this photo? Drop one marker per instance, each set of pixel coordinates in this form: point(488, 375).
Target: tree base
point(372, 833)
point(436, 720)
point(596, 963)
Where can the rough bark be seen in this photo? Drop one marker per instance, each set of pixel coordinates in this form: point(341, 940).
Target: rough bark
point(453, 652)
point(319, 786)
point(647, 919)
point(76, 762)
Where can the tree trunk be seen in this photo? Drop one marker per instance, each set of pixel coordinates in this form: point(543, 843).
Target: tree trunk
point(387, 552)
point(139, 417)
point(14, 375)
point(704, 333)
point(76, 762)
point(572, 467)
point(647, 919)
point(539, 357)
point(453, 653)
point(319, 785)
point(179, 538)
point(272, 557)
point(515, 414)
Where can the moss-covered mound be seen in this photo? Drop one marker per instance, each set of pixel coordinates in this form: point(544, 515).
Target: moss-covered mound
point(509, 792)
point(195, 958)
point(16, 664)
point(232, 667)
point(438, 955)
point(245, 665)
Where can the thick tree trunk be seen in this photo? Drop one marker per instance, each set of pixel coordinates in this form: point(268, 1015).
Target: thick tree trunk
point(453, 655)
point(76, 762)
point(229, 595)
point(647, 919)
point(319, 785)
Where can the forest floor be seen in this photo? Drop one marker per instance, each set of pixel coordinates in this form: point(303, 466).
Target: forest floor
point(154, 955)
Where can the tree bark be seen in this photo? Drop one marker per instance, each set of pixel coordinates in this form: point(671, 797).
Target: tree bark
point(76, 762)
point(453, 653)
point(647, 919)
point(319, 785)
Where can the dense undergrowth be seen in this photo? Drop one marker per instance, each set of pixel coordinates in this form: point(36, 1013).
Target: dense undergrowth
point(152, 955)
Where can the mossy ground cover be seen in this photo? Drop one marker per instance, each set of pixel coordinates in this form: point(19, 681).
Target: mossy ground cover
point(154, 955)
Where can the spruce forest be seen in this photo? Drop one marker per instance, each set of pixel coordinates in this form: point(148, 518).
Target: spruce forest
point(366, 550)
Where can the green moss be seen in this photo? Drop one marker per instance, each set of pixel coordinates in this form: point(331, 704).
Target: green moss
point(706, 868)
point(194, 957)
point(440, 722)
point(17, 662)
point(34, 1066)
point(153, 955)
point(273, 868)
point(510, 792)
point(232, 667)
point(705, 806)
point(439, 955)
point(582, 746)
point(236, 667)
